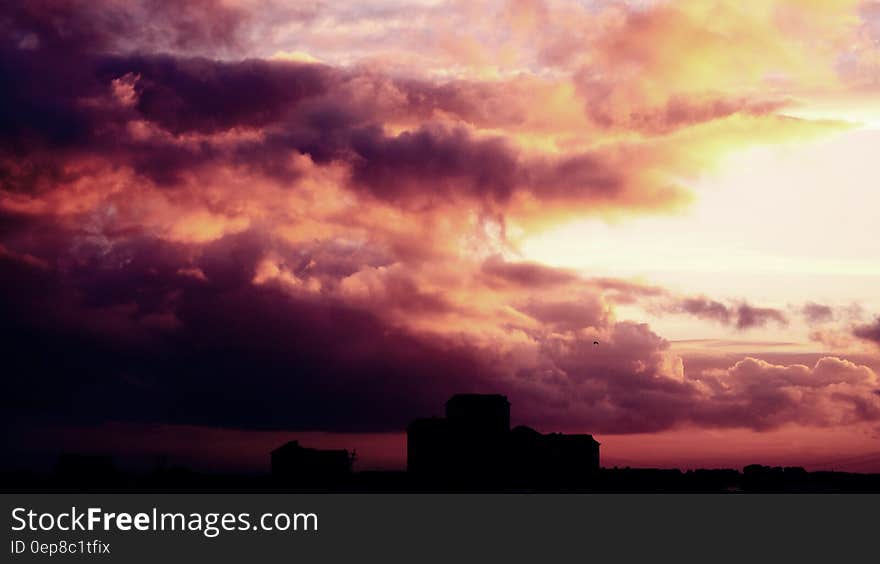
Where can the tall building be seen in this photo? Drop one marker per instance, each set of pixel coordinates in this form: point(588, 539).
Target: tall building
point(479, 413)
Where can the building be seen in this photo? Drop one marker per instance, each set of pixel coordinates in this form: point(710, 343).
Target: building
point(299, 465)
point(474, 445)
point(479, 413)
point(429, 447)
point(552, 459)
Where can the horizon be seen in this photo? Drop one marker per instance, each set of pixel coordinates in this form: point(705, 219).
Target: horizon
point(248, 451)
point(225, 222)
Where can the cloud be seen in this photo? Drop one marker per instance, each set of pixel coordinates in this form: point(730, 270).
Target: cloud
point(105, 25)
point(448, 161)
point(165, 118)
point(832, 338)
point(189, 95)
point(743, 315)
point(707, 309)
point(761, 395)
point(135, 337)
point(648, 69)
point(590, 311)
point(626, 291)
point(631, 383)
point(749, 316)
point(869, 331)
point(525, 274)
point(238, 354)
point(817, 313)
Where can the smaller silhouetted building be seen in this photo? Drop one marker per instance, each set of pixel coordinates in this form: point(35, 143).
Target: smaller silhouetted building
point(296, 464)
point(554, 459)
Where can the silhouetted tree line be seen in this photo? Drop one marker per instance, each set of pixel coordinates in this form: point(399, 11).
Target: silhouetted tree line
point(83, 473)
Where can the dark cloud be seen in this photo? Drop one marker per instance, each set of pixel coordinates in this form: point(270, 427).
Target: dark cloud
point(706, 309)
point(525, 274)
point(817, 313)
point(748, 316)
point(869, 331)
point(105, 25)
point(297, 109)
point(90, 81)
point(449, 160)
point(38, 106)
point(743, 316)
point(184, 95)
point(139, 342)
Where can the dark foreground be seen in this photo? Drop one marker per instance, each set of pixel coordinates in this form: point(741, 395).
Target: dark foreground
point(752, 479)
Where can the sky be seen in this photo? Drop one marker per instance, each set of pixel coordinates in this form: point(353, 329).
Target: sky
point(228, 223)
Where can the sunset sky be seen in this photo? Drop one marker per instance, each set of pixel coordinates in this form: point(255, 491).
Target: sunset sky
point(229, 223)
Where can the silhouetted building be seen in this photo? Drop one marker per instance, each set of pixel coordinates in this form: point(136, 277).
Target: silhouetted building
point(552, 459)
point(473, 445)
point(479, 413)
point(429, 447)
point(299, 465)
